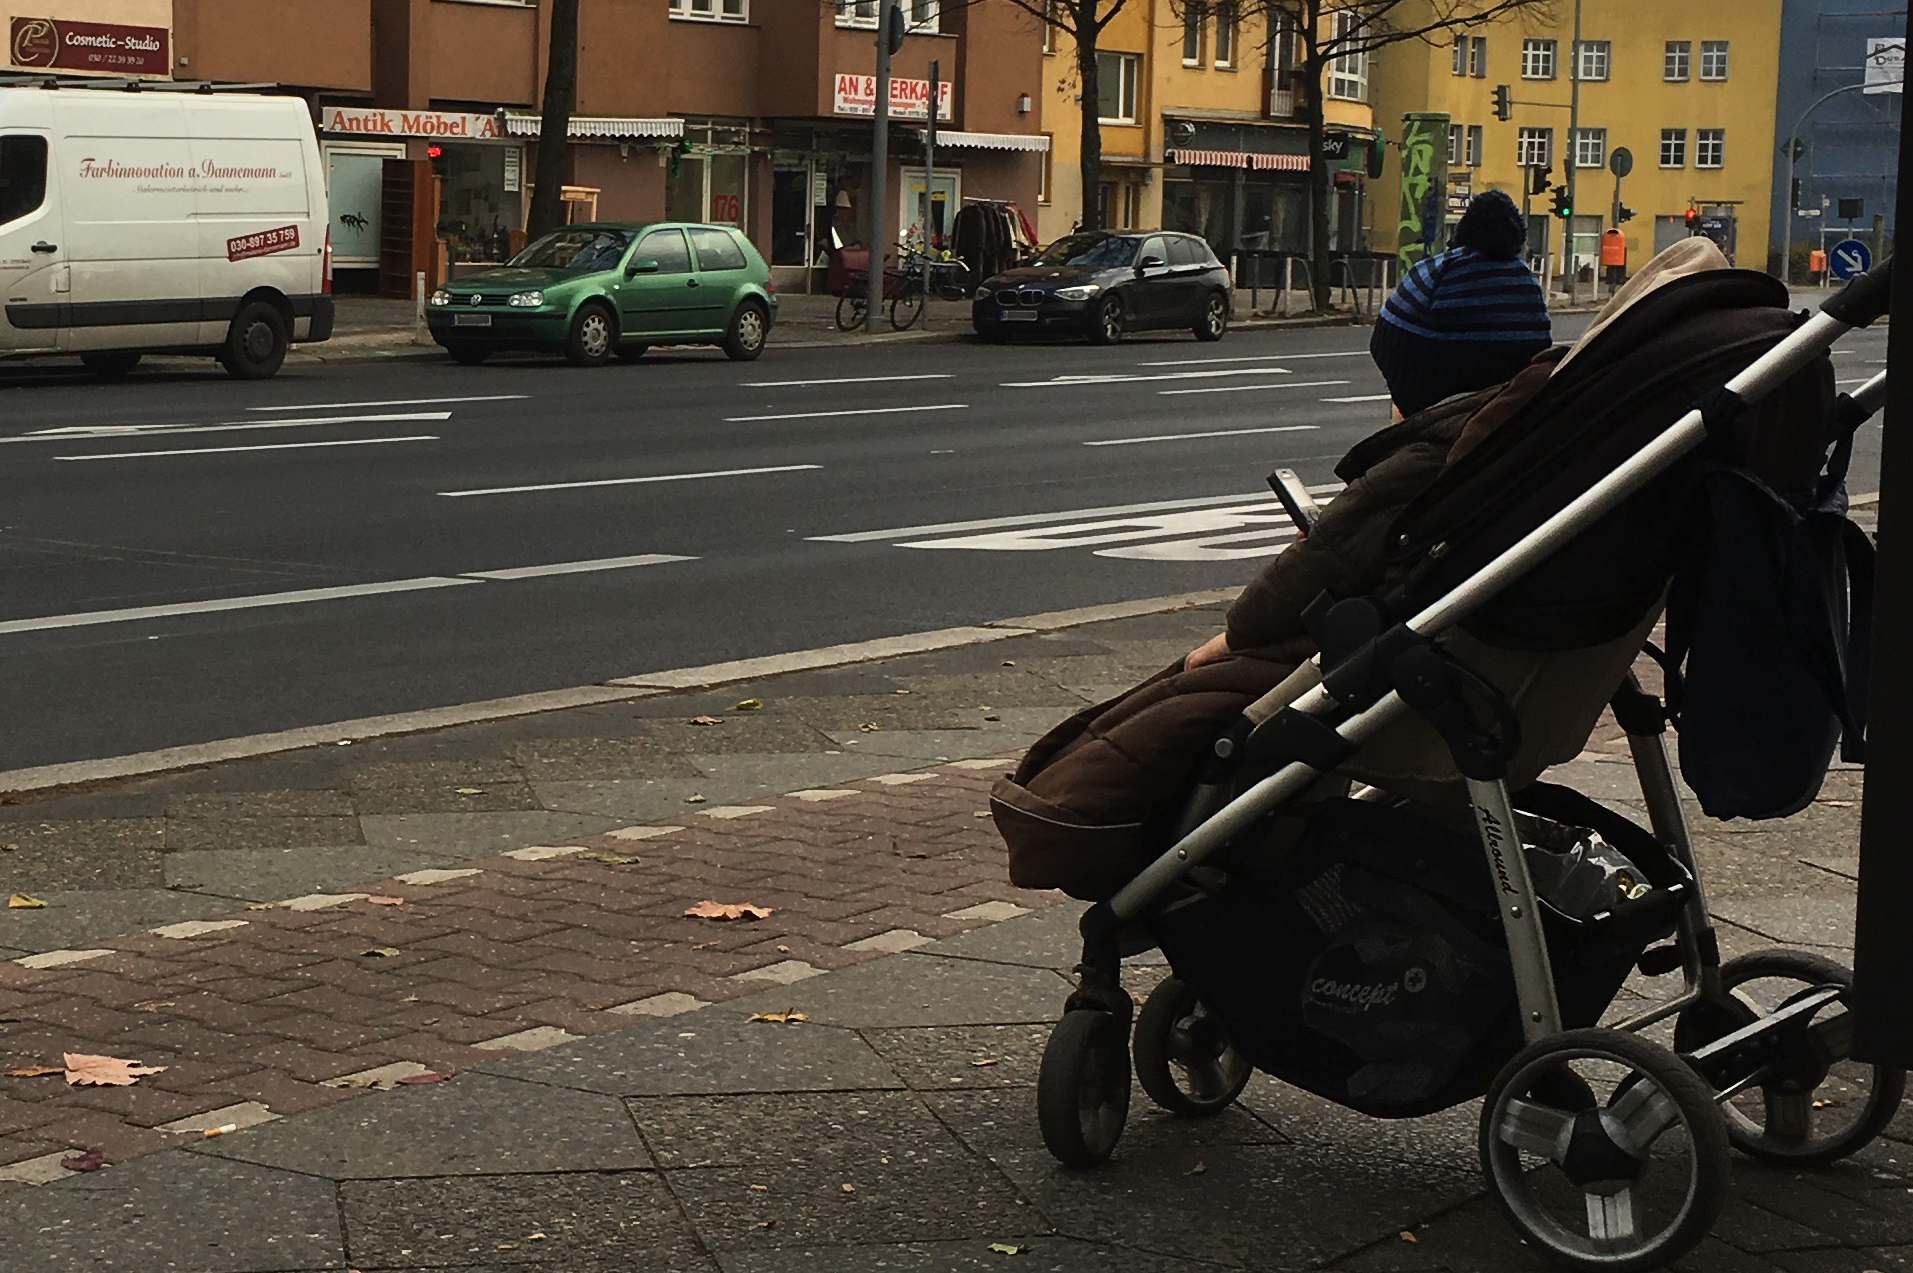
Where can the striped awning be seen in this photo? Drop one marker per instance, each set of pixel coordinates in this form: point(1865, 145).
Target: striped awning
point(605, 127)
point(993, 141)
point(1239, 159)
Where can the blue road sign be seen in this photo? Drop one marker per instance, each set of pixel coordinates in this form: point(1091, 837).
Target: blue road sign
point(1848, 259)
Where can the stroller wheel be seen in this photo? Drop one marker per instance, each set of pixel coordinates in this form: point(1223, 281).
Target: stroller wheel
point(1631, 1182)
point(1184, 1058)
point(1082, 1091)
point(1822, 1107)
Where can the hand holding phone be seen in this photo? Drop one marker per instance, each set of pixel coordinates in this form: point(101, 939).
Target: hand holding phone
point(1295, 497)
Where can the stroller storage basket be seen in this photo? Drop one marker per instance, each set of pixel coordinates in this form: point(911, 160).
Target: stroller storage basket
point(1367, 963)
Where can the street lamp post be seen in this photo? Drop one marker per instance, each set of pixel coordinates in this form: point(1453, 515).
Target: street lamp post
point(1794, 146)
point(880, 166)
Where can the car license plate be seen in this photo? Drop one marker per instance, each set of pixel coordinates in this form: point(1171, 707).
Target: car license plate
point(1017, 315)
point(471, 320)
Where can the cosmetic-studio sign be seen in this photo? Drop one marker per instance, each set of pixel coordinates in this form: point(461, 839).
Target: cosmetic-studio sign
point(57, 44)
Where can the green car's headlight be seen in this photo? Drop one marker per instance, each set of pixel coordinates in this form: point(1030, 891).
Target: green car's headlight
point(527, 300)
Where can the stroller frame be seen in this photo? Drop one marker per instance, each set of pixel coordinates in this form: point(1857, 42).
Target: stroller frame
point(1305, 727)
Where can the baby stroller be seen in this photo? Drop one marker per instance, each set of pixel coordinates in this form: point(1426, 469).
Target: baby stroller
point(1354, 946)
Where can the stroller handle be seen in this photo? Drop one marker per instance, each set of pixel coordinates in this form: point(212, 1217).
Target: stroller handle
point(1865, 299)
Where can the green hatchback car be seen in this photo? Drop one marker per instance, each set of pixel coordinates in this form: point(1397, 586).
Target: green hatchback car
point(601, 290)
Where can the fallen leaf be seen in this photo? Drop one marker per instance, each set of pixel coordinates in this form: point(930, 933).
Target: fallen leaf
point(870, 727)
point(750, 705)
point(21, 902)
point(386, 901)
point(609, 859)
point(1828, 1103)
point(381, 952)
point(1004, 1248)
point(694, 800)
point(785, 1017)
point(211, 1132)
point(760, 1188)
point(469, 791)
point(83, 1070)
point(262, 906)
point(848, 1188)
point(1009, 662)
point(899, 691)
point(980, 813)
point(536, 1237)
point(706, 720)
point(992, 716)
point(91, 1160)
point(35, 1071)
point(708, 909)
point(767, 1224)
point(1410, 1238)
point(152, 1005)
point(783, 950)
point(418, 1080)
point(981, 1062)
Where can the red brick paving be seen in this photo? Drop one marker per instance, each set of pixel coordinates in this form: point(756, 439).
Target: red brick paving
point(270, 1011)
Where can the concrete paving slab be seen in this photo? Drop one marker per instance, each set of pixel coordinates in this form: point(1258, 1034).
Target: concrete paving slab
point(748, 774)
point(259, 833)
point(1031, 1255)
point(115, 857)
point(994, 738)
point(1049, 938)
point(1817, 921)
point(470, 835)
point(300, 802)
point(264, 875)
point(844, 1129)
point(956, 1058)
point(716, 1051)
point(1446, 1139)
point(80, 918)
point(476, 1124)
point(174, 1212)
point(914, 990)
point(589, 1222)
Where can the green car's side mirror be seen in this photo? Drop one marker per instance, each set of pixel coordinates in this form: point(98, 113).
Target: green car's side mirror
point(646, 266)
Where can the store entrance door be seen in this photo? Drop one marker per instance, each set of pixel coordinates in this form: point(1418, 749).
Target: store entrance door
point(943, 206)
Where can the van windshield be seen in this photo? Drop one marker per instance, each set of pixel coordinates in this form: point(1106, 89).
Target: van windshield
point(580, 250)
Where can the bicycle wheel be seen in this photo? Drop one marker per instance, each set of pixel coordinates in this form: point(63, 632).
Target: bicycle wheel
point(907, 306)
point(850, 313)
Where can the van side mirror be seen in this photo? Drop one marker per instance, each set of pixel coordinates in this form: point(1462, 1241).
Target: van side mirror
point(646, 266)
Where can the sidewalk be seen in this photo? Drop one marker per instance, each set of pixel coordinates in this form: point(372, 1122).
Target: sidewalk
point(611, 1105)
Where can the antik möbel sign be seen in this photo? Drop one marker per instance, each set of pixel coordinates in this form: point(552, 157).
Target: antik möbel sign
point(389, 123)
point(909, 99)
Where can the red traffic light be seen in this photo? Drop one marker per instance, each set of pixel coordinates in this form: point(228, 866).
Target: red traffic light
point(1692, 216)
point(437, 151)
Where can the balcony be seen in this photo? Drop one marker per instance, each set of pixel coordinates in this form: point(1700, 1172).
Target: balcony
point(1278, 101)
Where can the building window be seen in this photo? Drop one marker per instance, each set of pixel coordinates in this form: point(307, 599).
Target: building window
point(1673, 147)
point(712, 10)
point(1461, 55)
point(1537, 59)
point(1471, 157)
point(1225, 34)
point(1456, 139)
point(922, 14)
point(1279, 53)
point(1591, 59)
point(1676, 61)
point(1348, 74)
point(1710, 147)
point(1042, 182)
point(1049, 26)
point(1116, 87)
point(1534, 148)
point(1713, 60)
point(1192, 19)
point(1478, 57)
point(1590, 147)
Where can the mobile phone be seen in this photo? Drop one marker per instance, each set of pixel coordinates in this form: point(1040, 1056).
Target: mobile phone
point(1295, 497)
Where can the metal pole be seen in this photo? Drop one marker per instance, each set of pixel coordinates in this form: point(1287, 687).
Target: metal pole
point(1793, 143)
point(1574, 146)
point(930, 161)
point(879, 169)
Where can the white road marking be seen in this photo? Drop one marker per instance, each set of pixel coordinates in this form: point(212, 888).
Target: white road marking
point(1367, 397)
point(229, 450)
point(301, 597)
point(84, 432)
point(1285, 384)
point(1036, 519)
point(1204, 362)
point(824, 415)
point(1853, 380)
point(631, 481)
point(397, 402)
point(1120, 378)
point(1213, 433)
point(576, 567)
point(846, 380)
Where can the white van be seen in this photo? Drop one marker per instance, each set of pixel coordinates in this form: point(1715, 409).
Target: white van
point(136, 222)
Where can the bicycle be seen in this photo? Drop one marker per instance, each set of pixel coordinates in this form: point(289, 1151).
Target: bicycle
point(924, 275)
point(854, 302)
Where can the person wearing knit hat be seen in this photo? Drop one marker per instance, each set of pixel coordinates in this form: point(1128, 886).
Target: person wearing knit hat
point(1467, 319)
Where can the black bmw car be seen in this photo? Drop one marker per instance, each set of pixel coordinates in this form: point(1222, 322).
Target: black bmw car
point(1103, 284)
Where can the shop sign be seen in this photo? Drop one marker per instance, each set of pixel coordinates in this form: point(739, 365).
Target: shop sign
point(727, 209)
point(1886, 65)
point(909, 99)
point(387, 123)
point(57, 44)
point(514, 169)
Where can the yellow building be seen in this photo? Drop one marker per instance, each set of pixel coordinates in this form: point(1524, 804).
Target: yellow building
point(1687, 90)
point(1201, 131)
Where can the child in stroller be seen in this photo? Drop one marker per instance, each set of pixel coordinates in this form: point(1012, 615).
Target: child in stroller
point(1357, 947)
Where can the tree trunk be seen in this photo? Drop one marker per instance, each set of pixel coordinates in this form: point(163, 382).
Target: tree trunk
point(561, 97)
point(1091, 159)
point(1321, 183)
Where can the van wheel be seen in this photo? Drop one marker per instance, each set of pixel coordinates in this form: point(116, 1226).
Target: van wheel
point(750, 326)
point(109, 366)
point(256, 343)
point(594, 334)
point(469, 354)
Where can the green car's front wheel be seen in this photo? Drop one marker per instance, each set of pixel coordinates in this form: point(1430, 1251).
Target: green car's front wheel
point(594, 334)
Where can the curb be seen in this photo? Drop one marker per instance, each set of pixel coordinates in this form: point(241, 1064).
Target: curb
point(46, 781)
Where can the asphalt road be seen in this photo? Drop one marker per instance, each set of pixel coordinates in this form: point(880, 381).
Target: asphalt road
point(187, 558)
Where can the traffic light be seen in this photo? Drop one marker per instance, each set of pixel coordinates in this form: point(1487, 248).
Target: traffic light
point(1504, 105)
point(1538, 180)
point(437, 155)
point(1563, 206)
point(1627, 214)
point(1693, 221)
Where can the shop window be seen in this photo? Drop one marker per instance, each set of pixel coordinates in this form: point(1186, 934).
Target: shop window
point(1534, 148)
point(712, 10)
point(1116, 87)
point(1348, 74)
point(1537, 59)
point(1590, 147)
point(1193, 17)
point(1591, 59)
point(666, 247)
point(1676, 61)
point(1713, 60)
point(709, 183)
point(716, 250)
point(1710, 147)
point(1673, 147)
point(23, 162)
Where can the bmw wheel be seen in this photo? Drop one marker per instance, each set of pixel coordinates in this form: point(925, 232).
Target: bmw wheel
point(1214, 320)
point(1107, 327)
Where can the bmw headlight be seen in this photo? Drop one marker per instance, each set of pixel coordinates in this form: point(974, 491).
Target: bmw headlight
point(1082, 293)
point(527, 300)
point(983, 293)
point(441, 297)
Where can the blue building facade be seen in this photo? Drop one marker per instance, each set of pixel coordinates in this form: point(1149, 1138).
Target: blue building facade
point(1850, 142)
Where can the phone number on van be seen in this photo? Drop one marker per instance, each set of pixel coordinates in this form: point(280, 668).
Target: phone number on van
point(264, 243)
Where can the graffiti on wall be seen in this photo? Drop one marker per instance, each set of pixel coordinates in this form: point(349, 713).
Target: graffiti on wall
point(1424, 179)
